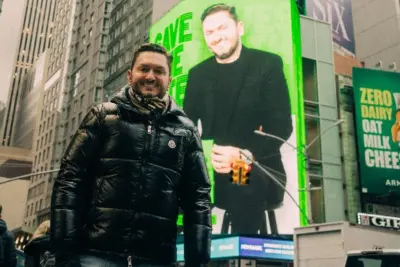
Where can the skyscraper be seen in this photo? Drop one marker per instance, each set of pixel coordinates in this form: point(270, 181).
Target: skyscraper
point(130, 23)
point(35, 38)
point(75, 77)
point(73, 84)
point(2, 109)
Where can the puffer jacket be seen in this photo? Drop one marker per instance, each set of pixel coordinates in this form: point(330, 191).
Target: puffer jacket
point(8, 256)
point(121, 181)
point(38, 252)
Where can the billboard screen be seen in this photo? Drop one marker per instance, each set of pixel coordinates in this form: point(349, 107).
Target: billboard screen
point(247, 247)
point(236, 71)
point(339, 14)
point(377, 116)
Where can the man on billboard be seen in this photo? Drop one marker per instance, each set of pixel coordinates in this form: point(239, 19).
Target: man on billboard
point(228, 96)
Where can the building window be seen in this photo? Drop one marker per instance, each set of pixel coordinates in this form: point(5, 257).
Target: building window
point(310, 85)
point(105, 24)
point(312, 133)
point(98, 94)
point(73, 124)
point(139, 11)
point(107, 8)
point(100, 76)
point(137, 29)
point(147, 22)
point(103, 41)
point(81, 101)
point(120, 61)
point(316, 192)
point(102, 57)
point(128, 56)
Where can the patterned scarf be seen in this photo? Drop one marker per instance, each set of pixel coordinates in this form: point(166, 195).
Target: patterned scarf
point(149, 105)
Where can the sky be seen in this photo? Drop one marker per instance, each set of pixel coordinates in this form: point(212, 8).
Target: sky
point(10, 26)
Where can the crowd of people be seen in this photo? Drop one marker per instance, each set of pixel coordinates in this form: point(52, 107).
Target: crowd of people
point(37, 252)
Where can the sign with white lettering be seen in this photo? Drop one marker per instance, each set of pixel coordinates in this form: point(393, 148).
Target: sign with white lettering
point(266, 248)
point(260, 248)
point(377, 118)
point(379, 220)
point(220, 248)
point(339, 14)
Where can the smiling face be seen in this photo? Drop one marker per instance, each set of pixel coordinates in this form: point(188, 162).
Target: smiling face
point(223, 35)
point(150, 75)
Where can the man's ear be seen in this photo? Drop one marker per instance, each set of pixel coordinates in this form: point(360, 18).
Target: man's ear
point(240, 28)
point(129, 77)
point(169, 83)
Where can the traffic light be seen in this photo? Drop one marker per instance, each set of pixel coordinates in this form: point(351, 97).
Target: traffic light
point(240, 172)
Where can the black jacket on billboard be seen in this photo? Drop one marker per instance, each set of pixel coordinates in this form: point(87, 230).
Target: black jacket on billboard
point(121, 181)
point(258, 98)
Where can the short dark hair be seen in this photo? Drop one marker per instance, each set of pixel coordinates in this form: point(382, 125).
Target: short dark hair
point(1, 209)
point(151, 47)
point(218, 8)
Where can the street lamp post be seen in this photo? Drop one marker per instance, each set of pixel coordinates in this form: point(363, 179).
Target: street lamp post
point(304, 153)
point(28, 175)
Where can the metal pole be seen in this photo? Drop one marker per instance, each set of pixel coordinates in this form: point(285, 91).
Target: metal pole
point(323, 132)
point(304, 153)
point(28, 175)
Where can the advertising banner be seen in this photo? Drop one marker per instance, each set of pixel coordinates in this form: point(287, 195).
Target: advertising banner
point(377, 116)
point(339, 14)
point(247, 247)
point(237, 70)
point(379, 221)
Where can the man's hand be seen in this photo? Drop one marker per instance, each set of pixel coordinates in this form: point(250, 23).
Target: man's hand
point(223, 156)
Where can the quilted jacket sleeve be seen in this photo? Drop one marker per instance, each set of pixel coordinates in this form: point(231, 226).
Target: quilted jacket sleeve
point(195, 202)
point(73, 183)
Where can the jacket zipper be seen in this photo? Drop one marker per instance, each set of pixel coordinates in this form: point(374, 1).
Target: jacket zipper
point(147, 142)
point(148, 137)
point(129, 261)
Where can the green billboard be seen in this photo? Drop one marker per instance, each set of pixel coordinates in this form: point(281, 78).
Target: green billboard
point(237, 69)
point(377, 116)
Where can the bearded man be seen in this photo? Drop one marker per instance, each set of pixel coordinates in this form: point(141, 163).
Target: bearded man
point(131, 165)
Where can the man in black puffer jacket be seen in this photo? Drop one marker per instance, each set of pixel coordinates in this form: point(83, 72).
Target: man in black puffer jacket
point(132, 163)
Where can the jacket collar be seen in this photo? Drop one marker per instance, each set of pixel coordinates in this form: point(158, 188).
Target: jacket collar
point(3, 226)
point(123, 102)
